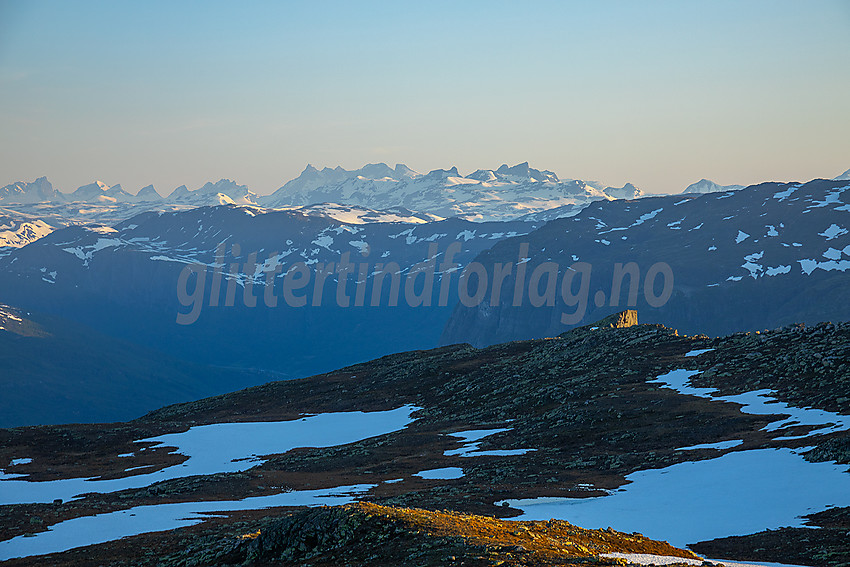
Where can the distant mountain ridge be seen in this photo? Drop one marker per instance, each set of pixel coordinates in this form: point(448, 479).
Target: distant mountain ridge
point(502, 194)
point(505, 193)
point(313, 183)
point(373, 193)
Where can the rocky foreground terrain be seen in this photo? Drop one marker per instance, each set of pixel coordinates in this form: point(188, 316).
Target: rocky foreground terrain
point(575, 415)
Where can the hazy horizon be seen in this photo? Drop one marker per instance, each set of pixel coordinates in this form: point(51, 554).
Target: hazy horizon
point(660, 94)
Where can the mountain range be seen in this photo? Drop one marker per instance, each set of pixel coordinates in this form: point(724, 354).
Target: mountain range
point(502, 194)
point(378, 192)
point(214, 285)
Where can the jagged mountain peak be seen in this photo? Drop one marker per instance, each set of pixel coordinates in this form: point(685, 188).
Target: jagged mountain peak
point(178, 192)
point(94, 191)
point(210, 187)
point(523, 170)
point(97, 184)
point(402, 170)
point(148, 193)
point(484, 175)
point(29, 192)
point(443, 173)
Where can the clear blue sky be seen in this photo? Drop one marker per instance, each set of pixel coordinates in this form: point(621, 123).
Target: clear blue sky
point(656, 93)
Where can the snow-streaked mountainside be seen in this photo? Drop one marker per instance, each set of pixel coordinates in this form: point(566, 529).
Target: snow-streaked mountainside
point(740, 260)
point(89, 273)
point(352, 214)
point(18, 230)
point(709, 186)
point(843, 177)
point(757, 258)
point(484, 195)
point(21, 224)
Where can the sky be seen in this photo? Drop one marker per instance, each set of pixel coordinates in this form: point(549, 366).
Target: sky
point(659, 94)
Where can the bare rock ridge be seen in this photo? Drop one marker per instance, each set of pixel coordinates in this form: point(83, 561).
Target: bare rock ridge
point(370, 534)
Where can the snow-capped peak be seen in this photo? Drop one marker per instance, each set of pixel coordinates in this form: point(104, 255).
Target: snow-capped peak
point(503, 194)
point(36, 191)
point(627, 191)
point(708, 186)
point(148, 193)
point(211, 194)
point(94, 191)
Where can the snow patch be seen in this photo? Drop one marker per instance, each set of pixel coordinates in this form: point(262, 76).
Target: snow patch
point(445, 473)
point(809, 265)
point(699, 351)
point(834, 231)
point(775, 271)
point(101, 528)
point(471, 446)
point(223, 448)
point(782, 195)
point(720, 445)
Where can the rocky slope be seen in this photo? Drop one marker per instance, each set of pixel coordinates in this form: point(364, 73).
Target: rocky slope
point(571, 416)
point(369, 534)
